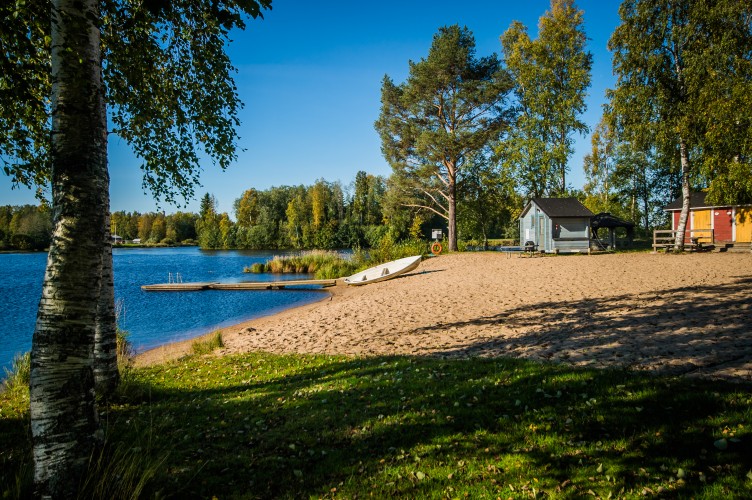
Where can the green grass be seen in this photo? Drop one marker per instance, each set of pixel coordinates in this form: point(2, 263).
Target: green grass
point(304, 426)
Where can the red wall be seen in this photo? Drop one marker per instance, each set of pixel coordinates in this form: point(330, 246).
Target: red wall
point(723, 223)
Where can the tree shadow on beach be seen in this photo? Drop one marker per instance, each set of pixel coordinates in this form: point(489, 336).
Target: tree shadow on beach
point(682, 330)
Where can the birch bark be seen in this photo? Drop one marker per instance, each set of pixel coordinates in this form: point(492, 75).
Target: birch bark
point(64, 421)
point(684, 217)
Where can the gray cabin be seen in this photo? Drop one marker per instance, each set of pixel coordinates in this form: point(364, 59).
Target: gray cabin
point(556, 225)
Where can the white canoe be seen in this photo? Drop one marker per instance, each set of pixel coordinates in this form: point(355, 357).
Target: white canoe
point(384, 271)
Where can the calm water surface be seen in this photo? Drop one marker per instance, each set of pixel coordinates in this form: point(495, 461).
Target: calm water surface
point(151, 318)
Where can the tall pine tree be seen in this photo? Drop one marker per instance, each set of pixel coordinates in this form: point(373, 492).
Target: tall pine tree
point(432, 127)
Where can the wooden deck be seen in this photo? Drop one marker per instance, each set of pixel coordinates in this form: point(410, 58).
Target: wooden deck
point(247, 285)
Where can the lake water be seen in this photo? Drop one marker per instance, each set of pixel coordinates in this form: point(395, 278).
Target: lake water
point(150, 318)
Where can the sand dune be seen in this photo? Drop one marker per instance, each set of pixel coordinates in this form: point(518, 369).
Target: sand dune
point(679, 314)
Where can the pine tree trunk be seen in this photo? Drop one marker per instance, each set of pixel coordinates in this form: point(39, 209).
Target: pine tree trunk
point(452, 221)
point(64, 421)
point(684, 217)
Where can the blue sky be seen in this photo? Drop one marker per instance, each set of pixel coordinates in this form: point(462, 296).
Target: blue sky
point(310, 77)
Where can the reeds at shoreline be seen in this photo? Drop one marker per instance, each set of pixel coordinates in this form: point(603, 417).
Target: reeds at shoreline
point(329, 264)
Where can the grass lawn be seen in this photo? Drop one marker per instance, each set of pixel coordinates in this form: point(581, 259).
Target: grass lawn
point(295, 426)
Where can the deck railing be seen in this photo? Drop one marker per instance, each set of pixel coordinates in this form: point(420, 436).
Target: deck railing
point(666, 238)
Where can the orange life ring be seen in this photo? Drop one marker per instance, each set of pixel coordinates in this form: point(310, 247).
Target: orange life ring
point(436, 248)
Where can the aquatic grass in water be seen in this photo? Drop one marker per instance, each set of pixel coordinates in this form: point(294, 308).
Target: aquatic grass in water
point(332, 265)
point(299, 426)
point(323, 264)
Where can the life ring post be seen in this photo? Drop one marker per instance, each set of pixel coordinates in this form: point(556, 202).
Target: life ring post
point(436, 234)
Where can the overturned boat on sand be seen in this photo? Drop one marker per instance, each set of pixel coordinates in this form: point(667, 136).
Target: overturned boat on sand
point(385, 271)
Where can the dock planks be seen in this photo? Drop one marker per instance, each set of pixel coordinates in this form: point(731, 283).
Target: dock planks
point(177, 287)
point(248, 285)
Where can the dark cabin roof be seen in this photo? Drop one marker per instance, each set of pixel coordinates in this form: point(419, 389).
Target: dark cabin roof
point(696, 199)
point(562, 207)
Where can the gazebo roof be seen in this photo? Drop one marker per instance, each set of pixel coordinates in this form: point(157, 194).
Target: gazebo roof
point(605, 219)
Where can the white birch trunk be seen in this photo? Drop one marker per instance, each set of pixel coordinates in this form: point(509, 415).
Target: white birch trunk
point(106, 375)
point(64, 420)
point(684, 217)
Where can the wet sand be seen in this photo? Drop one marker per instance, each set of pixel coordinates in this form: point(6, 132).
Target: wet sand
point(687, 314)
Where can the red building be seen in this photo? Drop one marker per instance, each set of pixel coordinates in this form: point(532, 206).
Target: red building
point(729, 224)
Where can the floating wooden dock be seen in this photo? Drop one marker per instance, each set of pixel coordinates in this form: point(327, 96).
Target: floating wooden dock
point(246, 285)
point(177, 287)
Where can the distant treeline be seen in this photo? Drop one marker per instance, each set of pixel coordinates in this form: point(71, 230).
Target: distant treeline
point(325, 215)
point(26, 227)
point(155, 228)
point(29, 227)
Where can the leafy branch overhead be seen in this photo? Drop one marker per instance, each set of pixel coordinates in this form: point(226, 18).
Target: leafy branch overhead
point(169, 86)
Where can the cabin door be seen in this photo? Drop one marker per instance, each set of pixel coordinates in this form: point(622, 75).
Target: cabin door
point(744, 224)
point(701, 220)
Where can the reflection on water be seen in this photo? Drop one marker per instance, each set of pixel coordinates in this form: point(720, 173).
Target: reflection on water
point(150, 318)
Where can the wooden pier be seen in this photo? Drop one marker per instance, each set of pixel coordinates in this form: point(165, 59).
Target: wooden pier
point(246, 285)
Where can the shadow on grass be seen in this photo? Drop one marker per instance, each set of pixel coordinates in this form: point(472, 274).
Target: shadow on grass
point(682, 330)
point(262, 426)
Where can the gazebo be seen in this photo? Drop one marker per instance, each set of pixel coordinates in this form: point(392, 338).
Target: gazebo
point(611, 222)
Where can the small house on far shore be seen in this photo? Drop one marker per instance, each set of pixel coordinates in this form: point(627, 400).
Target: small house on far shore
point(725, 224)
point(556, 225)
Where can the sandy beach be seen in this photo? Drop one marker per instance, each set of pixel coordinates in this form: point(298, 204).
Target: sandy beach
point(687, 314)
